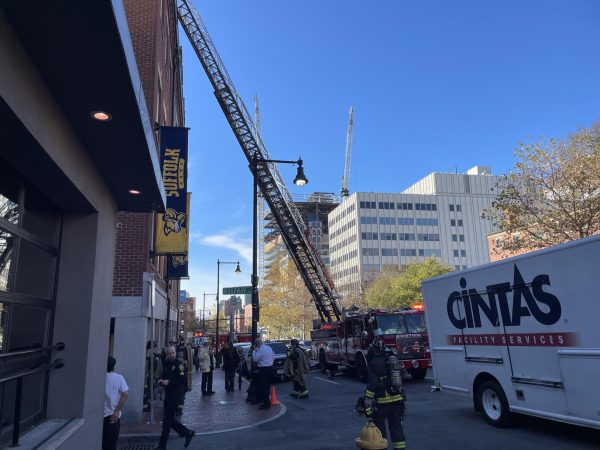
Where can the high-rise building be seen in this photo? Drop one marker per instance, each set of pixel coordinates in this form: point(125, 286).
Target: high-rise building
point(313, 209)
point(439, 216)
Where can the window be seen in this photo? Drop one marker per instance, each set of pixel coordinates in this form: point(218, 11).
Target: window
point(461, 237)
point(452, 222)
point(429, 252)
point(406, 221)
point(406, 237)
point(451, 207)
point(387, 221)
point(368, 205)
point(368, 220)
point(389, 252)
point(405, 206)
point(388, 236)
point(454, 238)
point(463, 253)
point(428, 237)
point(460, 222)
point(455, 253)
point(458, 208)
point(370, 251)
point(29, 247)
point(425, 206)
point(427, 221)
point(386, 205)
point(369, 236)
point(408, 252)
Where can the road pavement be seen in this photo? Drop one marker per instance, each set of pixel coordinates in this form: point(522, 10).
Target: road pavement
point(435, 420)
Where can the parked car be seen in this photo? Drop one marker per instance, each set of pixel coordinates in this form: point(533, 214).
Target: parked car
point(305, 345)
point(281, 351)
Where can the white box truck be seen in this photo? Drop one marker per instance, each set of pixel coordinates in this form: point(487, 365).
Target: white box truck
point(521, 335)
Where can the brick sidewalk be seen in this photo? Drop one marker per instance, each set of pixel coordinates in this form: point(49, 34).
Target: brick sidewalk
point(223, 411)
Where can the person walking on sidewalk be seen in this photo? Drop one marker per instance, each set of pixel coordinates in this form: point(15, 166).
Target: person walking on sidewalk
point(207, 365)
point(115, 396)
point(296, 367)
point(230, 360)
point(174, 380)
point(263, 356)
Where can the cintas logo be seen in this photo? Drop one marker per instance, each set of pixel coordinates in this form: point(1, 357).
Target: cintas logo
point(507, 301)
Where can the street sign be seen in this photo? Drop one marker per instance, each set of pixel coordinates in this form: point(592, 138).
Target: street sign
point(240, 290)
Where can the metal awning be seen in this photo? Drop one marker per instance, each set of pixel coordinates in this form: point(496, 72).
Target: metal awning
point(84, 53)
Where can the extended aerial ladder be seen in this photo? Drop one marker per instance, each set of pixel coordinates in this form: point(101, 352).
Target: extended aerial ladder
point(271, 184)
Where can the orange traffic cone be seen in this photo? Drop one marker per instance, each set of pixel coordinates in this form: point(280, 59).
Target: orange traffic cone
point(274, 400)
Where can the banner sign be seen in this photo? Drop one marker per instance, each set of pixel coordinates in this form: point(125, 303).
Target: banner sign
point(172, 226)
point(182, 296)
point(177, 267)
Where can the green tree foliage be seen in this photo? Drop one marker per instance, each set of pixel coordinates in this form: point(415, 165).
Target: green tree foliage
point(394, 289)
point(552, 195)
point(286, 307)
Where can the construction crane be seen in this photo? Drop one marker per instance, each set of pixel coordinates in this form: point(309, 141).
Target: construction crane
point(260, 208)
point(270, 182)
point(345, 193)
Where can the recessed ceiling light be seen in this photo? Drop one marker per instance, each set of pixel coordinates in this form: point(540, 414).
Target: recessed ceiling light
point(134, 191)
point(101, 116)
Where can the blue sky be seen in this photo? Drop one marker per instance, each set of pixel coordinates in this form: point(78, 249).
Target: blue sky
point(437, 86)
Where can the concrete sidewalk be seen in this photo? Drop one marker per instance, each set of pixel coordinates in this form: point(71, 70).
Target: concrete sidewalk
point(217, 413)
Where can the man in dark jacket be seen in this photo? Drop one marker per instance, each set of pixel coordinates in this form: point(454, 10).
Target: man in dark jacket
point(383, 401)
point(173, 379)
point(231, 359)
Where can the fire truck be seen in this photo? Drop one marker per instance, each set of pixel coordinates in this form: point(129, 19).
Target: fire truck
point(345, 343)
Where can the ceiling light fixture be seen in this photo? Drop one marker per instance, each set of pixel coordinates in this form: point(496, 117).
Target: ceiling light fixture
point(134, 191)
point(101, 116)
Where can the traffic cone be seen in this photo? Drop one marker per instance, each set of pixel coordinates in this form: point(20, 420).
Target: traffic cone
point(274, 400)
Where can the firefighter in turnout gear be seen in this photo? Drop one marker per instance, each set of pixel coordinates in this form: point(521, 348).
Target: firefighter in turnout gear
point(384, 396)
point(173, 379)
point(296, 367)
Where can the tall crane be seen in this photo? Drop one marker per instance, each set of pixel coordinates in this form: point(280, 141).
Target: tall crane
point(260, 209)
point(293, 230)
point(345, 193)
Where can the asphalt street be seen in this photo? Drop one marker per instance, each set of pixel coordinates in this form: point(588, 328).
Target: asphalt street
point(435, 420)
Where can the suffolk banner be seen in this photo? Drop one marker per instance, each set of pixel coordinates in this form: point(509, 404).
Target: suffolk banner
point(177, 267)
point(172, 226)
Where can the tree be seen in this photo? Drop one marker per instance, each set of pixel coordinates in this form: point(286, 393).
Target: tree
point(393, 290)
point(286, 307)
point(553, 194)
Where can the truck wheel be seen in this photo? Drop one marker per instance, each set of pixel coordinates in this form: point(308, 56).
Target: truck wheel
point(493, 403)
point(322, 361)
point(361, 368)
point(418, 374)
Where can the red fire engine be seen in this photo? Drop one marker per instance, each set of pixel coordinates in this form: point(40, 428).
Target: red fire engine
point(345, 343)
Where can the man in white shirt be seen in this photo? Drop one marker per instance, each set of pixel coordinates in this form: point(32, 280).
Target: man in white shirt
point(115, 397)
point(263, 356)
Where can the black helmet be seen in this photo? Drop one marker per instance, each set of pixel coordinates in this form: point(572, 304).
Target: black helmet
point(378, 345)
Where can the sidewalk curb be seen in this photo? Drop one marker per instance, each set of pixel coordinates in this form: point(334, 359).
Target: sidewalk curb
point(281, 412)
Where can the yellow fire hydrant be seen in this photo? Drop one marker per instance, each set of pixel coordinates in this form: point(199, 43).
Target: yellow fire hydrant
point(370, 438)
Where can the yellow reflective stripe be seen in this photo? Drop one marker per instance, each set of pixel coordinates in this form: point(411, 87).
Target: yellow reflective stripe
point(369, 394)
point(401, 444)
point(390, 399)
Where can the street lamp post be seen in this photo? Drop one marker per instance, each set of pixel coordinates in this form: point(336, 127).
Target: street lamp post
point(300, 180)
point(237, 272)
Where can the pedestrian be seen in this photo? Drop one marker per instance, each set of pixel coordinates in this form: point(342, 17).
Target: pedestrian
point(196, 357)
point(115, 396)
point(263, 356)
point(297, 368)
point(384, 396)
point(230, 358)
point(207, 365)
point(173, 379)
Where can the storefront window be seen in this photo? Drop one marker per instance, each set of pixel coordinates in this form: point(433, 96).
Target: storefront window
point(6, 253)
point(35, 272)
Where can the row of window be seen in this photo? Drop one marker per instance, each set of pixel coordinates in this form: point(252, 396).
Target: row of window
point(461, 253)
point(430, 237)
point(426, 252)
point(454, 222)
point(424, 221)
point(345, 227)
point(347, 272)
point(343, 214)
point(351, 254)
point(343, 243)
point(458, 238)
point(401, 206)
point(456, 207)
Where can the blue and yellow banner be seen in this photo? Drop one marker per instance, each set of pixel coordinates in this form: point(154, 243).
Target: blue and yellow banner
point(177, 267)
point(172, 226)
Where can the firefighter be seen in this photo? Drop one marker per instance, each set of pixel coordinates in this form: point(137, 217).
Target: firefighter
point(296, 367)
point(384, 396)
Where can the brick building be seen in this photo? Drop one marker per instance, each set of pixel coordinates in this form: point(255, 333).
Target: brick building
point(145, 303)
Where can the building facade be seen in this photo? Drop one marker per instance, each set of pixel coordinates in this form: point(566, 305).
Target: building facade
point(439, 216)
point(74, 124)
point(145, 303)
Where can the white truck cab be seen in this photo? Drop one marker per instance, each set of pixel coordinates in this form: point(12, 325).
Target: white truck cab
point(521, 335)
